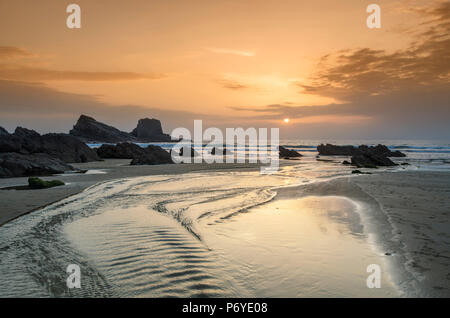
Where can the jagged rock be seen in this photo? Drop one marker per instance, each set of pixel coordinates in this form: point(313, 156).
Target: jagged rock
point(67, 148)
point(371, 161)
point(20, 165)
point(154, 155)
point(332, 150)
point(379, 150)
point(62, 146)
point(149, 130)
point(9, 143)
point(89, 130)
point(3, 132)
point(151, 155)
point(287, 153)
point(124, 150)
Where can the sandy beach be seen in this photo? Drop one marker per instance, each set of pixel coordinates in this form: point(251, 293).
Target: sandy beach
point(19, 202)
point(404, 213)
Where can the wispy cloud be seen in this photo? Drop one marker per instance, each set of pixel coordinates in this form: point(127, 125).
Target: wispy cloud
point(352, 74)
point(231, 51)
point(231, 84)
point(24, 73)
point(17, 67)
point(12, 52)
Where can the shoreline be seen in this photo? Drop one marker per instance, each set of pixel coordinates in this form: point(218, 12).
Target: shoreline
point(406, 216)
point(17, 203)
point(405, 213)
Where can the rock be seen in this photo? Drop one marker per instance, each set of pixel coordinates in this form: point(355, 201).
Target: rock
point(332, 150)
point(28, 139)
point(151, 155)
point(9, 143)
point(3, 132)
point(360, 172)
point(154, 155)
point(36, 183)
point(149, 130)
point(379, 150)
point(61, 146)
point(287, 153)
point(123, 150)
point(405, 164)
point(345, 162)
point(371, 161)
point(67, 148)
point(21, 132)
point(20, 165)
point(89, 130)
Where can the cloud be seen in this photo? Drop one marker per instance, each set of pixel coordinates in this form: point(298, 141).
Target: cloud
point(12, 52)
point(25, 73)
point(18, 69)
point(231, 84)
point(352, 74)
point(231, 51)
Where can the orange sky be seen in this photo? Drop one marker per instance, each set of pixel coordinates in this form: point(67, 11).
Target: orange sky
point(211, 58)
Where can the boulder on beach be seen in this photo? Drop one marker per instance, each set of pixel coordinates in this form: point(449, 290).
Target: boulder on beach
point(37, 183)
point(123, 150)
point(3, 132)
point(379, 150)
point(62, 146)
point(67, 148)
point(38, 164)
point(154, 155)
point(88, 129)
point(371, 161)
point(148, 130)
point(287, 153)
point(150, 155)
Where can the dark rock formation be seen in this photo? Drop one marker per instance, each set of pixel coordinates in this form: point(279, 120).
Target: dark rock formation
point(3, 132)
point(89, 130)
point(62, 146)
point(151, 155)
point(287, 153)
point(371, 161)
point(379, 150)
point(67, 148)
point(20, 165)
point(154, 155)
point(149, 130)
point(124, 150)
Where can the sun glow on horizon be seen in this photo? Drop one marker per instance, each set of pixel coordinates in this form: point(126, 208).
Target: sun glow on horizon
point(286, 120)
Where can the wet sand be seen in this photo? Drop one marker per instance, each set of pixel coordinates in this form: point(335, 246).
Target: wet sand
point(407, 216)
point(15, 203)
point(405, 213)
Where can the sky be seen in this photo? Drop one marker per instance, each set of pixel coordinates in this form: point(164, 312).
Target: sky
point(231, 63)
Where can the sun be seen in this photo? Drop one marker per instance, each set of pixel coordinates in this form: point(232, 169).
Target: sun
point(286, 120)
